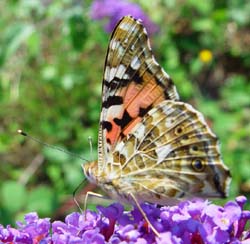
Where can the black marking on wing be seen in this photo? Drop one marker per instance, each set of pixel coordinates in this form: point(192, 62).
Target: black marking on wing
point(134, 75)
point(124, 121)
point(143, 111)
point(137, 78)
point(113, 100)
point(107, 125)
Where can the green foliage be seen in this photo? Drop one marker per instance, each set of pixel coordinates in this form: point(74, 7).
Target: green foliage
point(51, 62)
point(42, 198)
point(13, 196)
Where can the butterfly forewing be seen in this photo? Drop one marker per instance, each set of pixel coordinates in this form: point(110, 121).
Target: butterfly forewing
point(151, 145)
point(133, 84)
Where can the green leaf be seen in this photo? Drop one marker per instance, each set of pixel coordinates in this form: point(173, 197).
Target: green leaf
point(14, 37)
point(78, 31)
point(41, 200)
point(236, 92)
point(203, 7)
point(34, 43)
point(203, 25)
point(73, 174)
point(49, 72)
point(14, 196)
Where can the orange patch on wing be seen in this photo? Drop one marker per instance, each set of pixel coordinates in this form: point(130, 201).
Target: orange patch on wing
point(114, 133)
point(146, 97)
point(135, 97)
point(131, 92)
point(127, 130)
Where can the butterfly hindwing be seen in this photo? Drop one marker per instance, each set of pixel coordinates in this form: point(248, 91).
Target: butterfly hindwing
point(172, 153)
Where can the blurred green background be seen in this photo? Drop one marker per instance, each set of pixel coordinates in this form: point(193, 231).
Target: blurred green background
point(51, 61)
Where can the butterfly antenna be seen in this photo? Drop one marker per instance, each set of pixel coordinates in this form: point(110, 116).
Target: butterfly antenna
point(21, 132)
point(91, 147)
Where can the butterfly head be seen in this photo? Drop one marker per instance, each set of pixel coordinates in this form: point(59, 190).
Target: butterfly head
point(90, 171)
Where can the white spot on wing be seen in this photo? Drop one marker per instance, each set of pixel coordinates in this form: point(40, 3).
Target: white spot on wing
point(112, 73)
point(162, 152)
point(120, 71)
point(135, 63)
point(114, 110)
point(119, 146)
point(139, 131)
point(124, 26)
point(126, 76)
point(114, 44)
point(106, 74)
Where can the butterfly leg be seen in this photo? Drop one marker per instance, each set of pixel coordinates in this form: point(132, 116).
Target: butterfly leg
point(86, 200)
point(144, 215)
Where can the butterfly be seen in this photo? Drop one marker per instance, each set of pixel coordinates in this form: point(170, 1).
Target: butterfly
point(151, 146)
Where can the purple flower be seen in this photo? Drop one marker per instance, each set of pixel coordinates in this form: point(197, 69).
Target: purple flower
point(113, 212)
point(114, 10)
point(76, 229)
point(190, 222)
point(168, 238)
point(33, 230)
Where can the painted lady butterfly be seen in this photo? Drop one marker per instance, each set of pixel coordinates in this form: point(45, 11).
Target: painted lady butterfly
point(152, 147)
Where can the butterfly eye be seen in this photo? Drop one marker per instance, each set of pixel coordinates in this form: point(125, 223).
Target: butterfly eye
point(198, 165)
